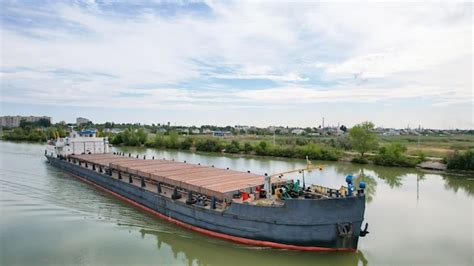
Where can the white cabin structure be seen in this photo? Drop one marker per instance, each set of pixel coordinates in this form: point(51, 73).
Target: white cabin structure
point(78, 142)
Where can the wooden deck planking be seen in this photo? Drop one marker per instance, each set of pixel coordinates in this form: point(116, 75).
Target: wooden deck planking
point(202, 179)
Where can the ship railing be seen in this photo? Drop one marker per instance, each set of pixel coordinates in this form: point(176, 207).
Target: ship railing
point(326, 191)
point(115, 173)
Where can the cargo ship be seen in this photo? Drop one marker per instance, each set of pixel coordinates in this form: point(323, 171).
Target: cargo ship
point(243, 207)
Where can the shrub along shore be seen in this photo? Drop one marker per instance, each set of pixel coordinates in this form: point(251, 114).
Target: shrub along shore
point(361, 139)
point(391, 156)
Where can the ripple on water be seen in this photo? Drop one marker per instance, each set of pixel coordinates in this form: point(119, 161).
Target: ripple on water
point(82, 225)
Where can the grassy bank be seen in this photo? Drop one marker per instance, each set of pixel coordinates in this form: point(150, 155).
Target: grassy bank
point(398, 151)
point(432, 146)
point(227, 145)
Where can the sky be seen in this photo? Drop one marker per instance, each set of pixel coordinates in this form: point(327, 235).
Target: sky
point(262, 63)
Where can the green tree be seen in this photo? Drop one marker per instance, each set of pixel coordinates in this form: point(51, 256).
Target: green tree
point(461, 161)
point(142, 135)
point(117, 139)
point(394, 155)
point(159, 141)
point(209, 145)
point(247, 147)
point(187, 143)
point(173, 140)
point(363, 139)
point(126, 135)
point(233, 147)
point(262, 148)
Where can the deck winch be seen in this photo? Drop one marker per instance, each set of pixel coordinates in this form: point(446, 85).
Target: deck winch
point(350, 186)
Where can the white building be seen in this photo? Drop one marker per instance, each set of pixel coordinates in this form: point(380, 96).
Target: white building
point(244, 128)
point(207, 131)
point(297, 131)
point(81, 121)
point(14, 121)
point(81, 142)
point(195, 131)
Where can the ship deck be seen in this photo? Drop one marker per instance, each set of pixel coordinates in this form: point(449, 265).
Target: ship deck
point(211, 181)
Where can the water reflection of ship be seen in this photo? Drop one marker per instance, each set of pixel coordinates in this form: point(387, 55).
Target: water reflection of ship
point(392, 176)
point(198, 250)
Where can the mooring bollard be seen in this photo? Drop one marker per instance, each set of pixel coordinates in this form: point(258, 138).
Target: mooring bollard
point(119, 175)
point(142, 179)
point(175, 194)
point(158, 187)
point(130, 178)
point(190, 197)
point(213, 202)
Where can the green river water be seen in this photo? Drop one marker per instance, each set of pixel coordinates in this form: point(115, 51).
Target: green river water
point(48, 217)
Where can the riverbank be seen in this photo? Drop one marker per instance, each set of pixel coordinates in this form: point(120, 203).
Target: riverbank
point(394, 151)
point(313, 153)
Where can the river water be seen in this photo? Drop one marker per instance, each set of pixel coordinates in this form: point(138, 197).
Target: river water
point(48, 217)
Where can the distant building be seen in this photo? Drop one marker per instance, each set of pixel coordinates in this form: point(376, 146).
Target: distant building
point(161, 130)
point(242, 129)
point(297, 131)
point(391, 132)
point(271, 129)
point(81, 121)
point(219, 133)
point(206, 131)
point(14, 121)
point(195, 131)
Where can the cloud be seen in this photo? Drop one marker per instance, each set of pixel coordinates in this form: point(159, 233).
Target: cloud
point(292, 95)
point(193, 52)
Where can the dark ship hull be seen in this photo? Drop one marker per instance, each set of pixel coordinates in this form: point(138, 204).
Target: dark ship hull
point(327, 224)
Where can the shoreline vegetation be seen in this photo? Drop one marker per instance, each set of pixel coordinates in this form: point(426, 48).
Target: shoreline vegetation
point(360, 144)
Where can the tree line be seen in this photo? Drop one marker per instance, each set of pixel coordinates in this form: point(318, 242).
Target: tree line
point(361, 138)
point(211, 144)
